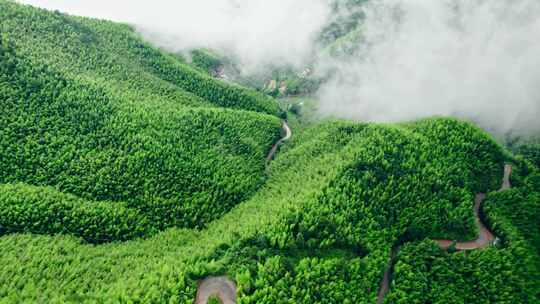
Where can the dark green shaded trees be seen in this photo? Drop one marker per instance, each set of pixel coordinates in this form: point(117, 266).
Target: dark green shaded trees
point(506, 273)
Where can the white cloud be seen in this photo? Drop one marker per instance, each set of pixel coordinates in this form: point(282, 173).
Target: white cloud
point(474, 59)
point(477, 59)
point(257, 31)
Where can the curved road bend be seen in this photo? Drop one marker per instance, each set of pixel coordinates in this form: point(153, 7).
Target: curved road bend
point(222, 287)
point(288, 134)
point(485, 237)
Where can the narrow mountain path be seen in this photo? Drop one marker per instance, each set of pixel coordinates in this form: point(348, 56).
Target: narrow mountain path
point(288, 134)
point(223, 287)
point(485, 237)
point(385, 284)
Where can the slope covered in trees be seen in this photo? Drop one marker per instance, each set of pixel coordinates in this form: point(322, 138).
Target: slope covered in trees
point(531, 151)
point(505, 273)
point(113, 56)
point(77, 118)
point(127, 176)
point(319, 231)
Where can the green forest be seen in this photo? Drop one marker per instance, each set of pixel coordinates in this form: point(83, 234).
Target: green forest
point(129, 175)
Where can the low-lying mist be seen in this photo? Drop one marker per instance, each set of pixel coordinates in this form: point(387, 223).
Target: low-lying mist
point(257, 32)
point(475, 59)
point(478, 60)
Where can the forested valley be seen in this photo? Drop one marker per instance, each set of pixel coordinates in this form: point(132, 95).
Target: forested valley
point(129, 175)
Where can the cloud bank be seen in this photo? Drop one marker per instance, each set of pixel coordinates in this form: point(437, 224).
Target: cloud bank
point(258, 32)
point(478, 60)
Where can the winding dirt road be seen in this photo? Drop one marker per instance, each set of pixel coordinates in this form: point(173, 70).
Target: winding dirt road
point(385, 284)
point(485, 237)
point(288, 134)
point(222, 287)
point(225, 289)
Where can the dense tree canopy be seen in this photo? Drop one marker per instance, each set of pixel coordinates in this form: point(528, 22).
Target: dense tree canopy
point(128, 176)
point(174, 161)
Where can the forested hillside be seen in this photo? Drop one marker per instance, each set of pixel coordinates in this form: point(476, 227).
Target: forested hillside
point(508, 272)
point(122, 124)
point(127, 176)
point(363, 189)
point(113, 56)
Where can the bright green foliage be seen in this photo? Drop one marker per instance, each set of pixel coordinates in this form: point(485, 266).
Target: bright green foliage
point(310, 280)
point(173, 164)
point(106, 138)
point(114, 56)
point(394, 189)
point(272, 244)
point(165, 267)
point(507, 273)
point(467, 146)
point(47, 211)
point(426, 274)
